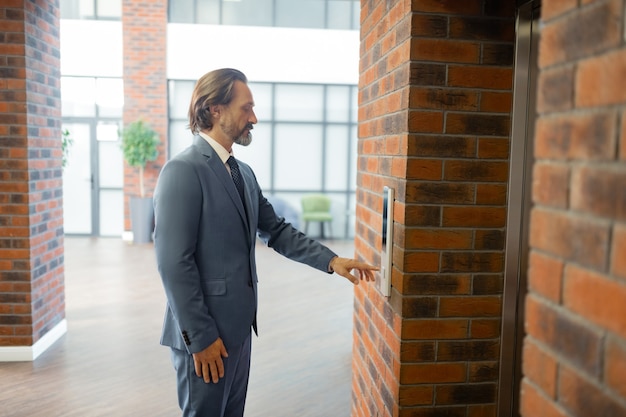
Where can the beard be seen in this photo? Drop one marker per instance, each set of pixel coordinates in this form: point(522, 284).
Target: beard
point(238, 137)
point(244, 140)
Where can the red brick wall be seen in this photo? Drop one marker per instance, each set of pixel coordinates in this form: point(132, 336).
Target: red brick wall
point(574, 358)
point(145, 84)
point(31, 217)
point(434, 119)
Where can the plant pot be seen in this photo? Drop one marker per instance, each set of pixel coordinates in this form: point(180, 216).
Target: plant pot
point(142, 219)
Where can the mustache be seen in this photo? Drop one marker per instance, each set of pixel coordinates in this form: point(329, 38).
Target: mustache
point(249, 126)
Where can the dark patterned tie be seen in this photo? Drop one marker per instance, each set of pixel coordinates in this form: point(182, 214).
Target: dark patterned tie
point(236, 174)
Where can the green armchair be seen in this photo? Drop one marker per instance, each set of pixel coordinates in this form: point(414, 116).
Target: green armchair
point(316, 208)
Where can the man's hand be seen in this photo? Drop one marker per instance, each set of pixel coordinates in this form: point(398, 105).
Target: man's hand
point(208, 362)
point(343, 266)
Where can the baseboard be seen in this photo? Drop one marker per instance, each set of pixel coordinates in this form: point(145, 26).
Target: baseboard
point(30, 353)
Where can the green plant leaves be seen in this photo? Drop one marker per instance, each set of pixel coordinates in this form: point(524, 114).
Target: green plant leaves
point(139, 144)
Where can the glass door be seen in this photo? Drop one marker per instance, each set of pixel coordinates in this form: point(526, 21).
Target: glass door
point(109, 182)
point(93, 198)
point(94, 175)
point(78, 181)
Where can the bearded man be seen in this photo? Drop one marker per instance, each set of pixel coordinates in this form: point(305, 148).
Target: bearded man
point(208, 210)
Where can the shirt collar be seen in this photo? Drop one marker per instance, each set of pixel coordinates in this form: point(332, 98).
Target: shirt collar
point(219, 149)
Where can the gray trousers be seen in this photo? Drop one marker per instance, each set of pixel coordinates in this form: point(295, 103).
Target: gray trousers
point(227, 398)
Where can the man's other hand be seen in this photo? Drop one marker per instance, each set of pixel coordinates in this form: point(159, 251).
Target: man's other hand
point(208, 362)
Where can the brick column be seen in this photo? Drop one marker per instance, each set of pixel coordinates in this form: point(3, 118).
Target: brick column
point(145, 84)
point(574, 358)
point(434, 119)
point(32, 307)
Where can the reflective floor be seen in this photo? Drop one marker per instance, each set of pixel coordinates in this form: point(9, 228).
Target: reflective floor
point(110, 363)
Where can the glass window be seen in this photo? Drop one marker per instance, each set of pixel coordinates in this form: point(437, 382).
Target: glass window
point(110, 164)
point(180, 136)
point(69, 9)
point(248, 12)
point(339, 210)
point(109, 9)
point(298, 163)
point(110, 97)
point(338, 103)
point(340, 14)
point(353, 157)
point(107, 132)
point(305, 141)
point(208, 12)
point(356, 15)
point(78, 97)
point(355, 105)
point(351, 214)
point(318, 14)
point(179, 98)
point(300, 13)
point(91, 9)
point(181, 11)
point(86, 9)
point(336, 155)
point(262, 94)
point(299, 102)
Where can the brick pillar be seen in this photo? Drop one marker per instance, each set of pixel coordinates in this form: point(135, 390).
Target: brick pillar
point(145, 84)
point(32, 306)
point(574, 357)
point(434, 119)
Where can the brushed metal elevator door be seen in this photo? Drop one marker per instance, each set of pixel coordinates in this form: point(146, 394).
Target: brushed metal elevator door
point(519, 204)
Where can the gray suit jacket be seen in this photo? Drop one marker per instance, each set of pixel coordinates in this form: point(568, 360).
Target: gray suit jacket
point(204, 240)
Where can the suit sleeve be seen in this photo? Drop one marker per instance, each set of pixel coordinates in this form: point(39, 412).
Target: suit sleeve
point(289, 242)
point(177, 208)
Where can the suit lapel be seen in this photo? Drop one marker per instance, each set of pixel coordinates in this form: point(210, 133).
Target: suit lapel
point(220, 171)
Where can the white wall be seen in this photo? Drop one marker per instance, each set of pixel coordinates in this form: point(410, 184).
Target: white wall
point(264, 53)
point(95, 48)
point(91, 48)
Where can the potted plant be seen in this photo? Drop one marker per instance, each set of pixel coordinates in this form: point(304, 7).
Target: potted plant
point(66, 144)
point(139, 146)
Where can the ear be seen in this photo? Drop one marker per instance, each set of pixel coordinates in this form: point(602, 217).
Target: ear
point(215, 110)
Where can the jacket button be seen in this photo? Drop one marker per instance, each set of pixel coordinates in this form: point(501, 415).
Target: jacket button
point(250, 283)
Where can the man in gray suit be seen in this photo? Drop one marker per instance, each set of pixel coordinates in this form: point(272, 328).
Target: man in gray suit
point(208, 209)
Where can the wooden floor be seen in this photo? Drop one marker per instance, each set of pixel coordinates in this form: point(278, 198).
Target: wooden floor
point(110, 362)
